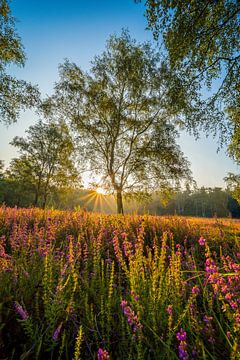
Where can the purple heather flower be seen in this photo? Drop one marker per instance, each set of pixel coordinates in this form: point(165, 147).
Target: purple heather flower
point(20, 311)
point(182, 351)
point(57, 332)
point(194, 352)
point(132, 318)
point(181, 335)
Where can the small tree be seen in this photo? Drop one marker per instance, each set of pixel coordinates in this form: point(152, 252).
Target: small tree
point(124, 112)
point(46, 158)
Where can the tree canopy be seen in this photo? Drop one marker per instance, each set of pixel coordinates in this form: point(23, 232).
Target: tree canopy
point(203, 40)
point(14, 94)
point(124, 112)
point(233, 185)
point(45, 159)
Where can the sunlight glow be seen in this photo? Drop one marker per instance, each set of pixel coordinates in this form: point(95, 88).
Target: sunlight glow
point(100, 191)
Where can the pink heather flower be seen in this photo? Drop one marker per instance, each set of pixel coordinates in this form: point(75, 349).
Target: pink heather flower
point(195, 290)
point(169, 309)
point(102, 354)
point(123, 304)
point(132, 318)
point(20, 311)
point(201, 241)
point(237, 318)
point(228, 296)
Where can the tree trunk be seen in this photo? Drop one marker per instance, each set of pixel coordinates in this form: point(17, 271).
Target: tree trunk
point(37, 191)
point(36, 198)
point(119, 202)
point(44, 201)
point(45, 195)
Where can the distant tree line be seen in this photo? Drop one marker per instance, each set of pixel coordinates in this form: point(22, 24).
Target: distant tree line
point(203, 202)
point(200, 202)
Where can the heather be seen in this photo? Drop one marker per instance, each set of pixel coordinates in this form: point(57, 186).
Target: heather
point(79, 285)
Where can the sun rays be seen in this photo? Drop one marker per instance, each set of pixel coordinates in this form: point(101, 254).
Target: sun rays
point(98, 201)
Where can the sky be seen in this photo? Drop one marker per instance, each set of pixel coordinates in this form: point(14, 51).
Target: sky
point(54, 30)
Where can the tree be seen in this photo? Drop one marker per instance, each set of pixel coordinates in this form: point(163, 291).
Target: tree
point(203, 40)
point(124, 113)
point(46, 159)
point(14, 94)
point(18, 187)
point(1, 168)
point(233, 185)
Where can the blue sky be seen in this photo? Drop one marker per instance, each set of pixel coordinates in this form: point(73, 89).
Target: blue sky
point(78, 29)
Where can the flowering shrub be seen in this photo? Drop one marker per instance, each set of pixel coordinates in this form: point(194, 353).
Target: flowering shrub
point(76, 285)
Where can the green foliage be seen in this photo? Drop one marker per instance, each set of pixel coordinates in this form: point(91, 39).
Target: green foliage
point(233, 185)
point(202, 39)
point(46, 160)
point(14, 94)
point(10, 42)
point(201, 202)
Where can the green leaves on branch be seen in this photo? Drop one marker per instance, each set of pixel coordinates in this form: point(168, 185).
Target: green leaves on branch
point(15, 95)
point(46, 160)
point(202, 39)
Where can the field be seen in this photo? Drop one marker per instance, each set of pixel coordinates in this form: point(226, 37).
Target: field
point(78, 285)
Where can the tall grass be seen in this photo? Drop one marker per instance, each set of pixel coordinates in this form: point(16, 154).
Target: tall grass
point(76, 285)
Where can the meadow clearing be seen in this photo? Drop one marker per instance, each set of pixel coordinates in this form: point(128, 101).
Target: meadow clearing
point(79, 285)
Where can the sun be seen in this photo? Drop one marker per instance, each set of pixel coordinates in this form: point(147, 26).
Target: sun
point(100, 191)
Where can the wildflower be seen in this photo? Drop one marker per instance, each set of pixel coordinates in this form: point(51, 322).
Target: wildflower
point(132, 318)
point(57, 332)
point(194, 352)
point(123, 304)
point(20, 311)
point(228, 296)
point(228, 334)
point(102, 354)
point(195, 290)
point(201, 241)
point(182, 351)
point(237, 318)
point(207, 319)
point(135, 296)
point(169, 309)
point(181, 335)
point(211, 340)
